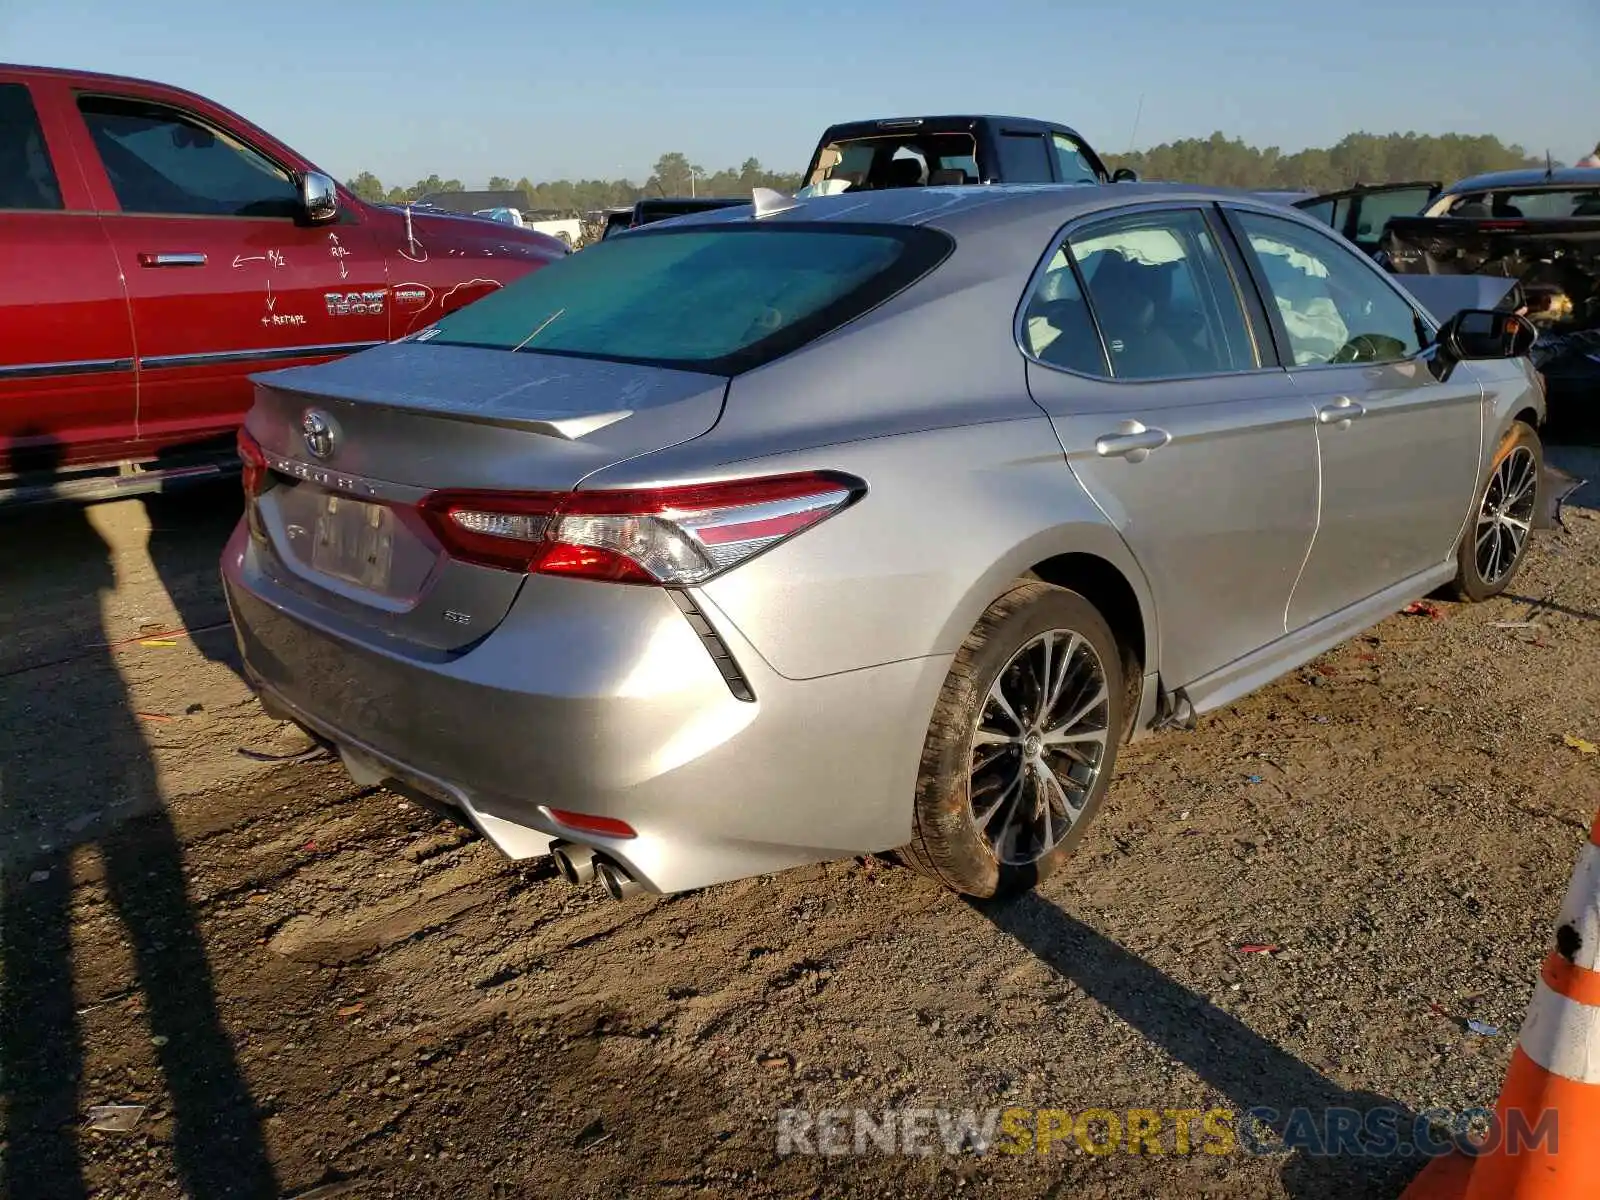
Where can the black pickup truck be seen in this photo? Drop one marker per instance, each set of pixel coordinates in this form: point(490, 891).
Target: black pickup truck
point(924, 152)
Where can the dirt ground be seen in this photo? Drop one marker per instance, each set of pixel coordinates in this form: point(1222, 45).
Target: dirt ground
point(320, 990)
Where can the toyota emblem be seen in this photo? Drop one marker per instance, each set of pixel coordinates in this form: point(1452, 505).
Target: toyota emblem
point(320, 433)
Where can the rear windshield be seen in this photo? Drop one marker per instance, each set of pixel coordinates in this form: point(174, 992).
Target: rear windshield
point(720, 300)
point(906, 159)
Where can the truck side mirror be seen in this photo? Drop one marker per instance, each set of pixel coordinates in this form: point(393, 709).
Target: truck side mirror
point(319, 197)
point(1481, 333)
point(1124, 175)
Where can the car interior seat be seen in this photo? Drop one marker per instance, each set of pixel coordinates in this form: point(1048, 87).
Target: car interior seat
point(1127, 300)
point(948, 176)
point(903, 172)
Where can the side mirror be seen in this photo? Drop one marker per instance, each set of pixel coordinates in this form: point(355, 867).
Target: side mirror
point(1124, 175)
point(1481, 333)
point(319, 197)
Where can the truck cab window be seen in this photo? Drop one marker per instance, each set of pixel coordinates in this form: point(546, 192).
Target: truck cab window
point(1024, 158)
point(161, 160)
point(27, 180)
point(1073, 165)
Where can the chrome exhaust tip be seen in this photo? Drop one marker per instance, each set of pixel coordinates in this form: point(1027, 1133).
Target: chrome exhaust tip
point(574, 864)
point(619, 885)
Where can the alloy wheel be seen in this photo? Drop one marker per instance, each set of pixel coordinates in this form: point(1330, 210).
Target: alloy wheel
point(1038, 746)
point(1506, 515)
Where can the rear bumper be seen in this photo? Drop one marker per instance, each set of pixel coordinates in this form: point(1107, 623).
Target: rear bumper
point(603, 699)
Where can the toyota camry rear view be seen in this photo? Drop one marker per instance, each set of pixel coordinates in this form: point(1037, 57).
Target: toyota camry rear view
point(876, 522)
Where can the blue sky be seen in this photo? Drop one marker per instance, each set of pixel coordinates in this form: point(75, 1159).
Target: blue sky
point(470, 88)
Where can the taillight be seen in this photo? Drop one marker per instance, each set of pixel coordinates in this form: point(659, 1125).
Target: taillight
point(255, 462)
point(672, 535)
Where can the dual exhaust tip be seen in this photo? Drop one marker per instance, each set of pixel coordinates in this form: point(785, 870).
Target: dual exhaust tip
point(580, 866)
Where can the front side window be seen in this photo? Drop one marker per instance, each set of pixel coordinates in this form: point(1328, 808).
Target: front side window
point(1335, 308)
point(27, 179)
point(720, 300)
point(1071, 162)
point(1163, 296)
point(162, 160)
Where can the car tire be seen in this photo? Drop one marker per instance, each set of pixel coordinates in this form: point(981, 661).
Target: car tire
point(962, 835)
point(1495, 541)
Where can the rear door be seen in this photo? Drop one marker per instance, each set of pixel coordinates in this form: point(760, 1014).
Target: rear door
point(1399, 448)
point(223, 274)
point(66, 347)
point(1180, 424)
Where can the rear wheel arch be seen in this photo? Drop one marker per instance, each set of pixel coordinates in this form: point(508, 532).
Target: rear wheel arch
point(1108, 588)
point(1105, 586)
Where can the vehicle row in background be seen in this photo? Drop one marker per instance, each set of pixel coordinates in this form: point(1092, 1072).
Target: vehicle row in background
point(1537, 230)
point(509, 208)
point(158, 249)
point(942, 151)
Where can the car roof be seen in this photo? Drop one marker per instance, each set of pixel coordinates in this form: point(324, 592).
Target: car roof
point(1532, 177)
point(973, 209)
point(84, 76)
point(948, 123)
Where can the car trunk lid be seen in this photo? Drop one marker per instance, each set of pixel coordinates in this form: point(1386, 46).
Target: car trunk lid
point(353, 446)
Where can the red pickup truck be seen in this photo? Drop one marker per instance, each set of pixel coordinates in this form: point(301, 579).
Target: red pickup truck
point(156, 249)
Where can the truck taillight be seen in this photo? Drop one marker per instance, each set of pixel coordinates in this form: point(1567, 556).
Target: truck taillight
point(675, 536)
point(255, 463)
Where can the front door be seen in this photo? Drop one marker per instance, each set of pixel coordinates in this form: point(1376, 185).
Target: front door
point(66, 348)
point(1195, 445)
point(224, 277)
point(1399, 448)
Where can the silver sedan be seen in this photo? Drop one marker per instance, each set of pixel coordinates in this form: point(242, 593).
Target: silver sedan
point(810, 528)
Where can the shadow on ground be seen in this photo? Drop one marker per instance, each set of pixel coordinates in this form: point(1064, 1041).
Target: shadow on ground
point(218, 1147)
point(1221, 1050)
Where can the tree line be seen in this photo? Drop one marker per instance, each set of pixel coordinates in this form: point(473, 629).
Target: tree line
point(1217, 160)
point(1357, 158)
point(674, 175)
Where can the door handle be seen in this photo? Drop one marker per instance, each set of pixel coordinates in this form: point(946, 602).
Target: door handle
point(186, 258)
point(1340, 413)
point(1132, 441)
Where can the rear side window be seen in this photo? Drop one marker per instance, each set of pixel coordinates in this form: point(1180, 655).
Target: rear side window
point(161, 160)
point(27, 180)
point(1056, 326)
point(720, 300)
point(1024, 158)
point(1163, 296)
point(1548, 205)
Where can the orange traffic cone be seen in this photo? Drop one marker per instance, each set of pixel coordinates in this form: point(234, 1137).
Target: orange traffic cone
point(1554, 1076)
